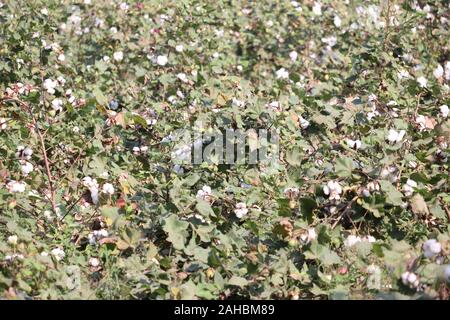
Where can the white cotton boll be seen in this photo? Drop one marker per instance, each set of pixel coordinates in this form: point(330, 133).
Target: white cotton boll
point(61, 57)
point(422, 81)
point(431, 248)
point(317, 8)
point(333, 190)
point(161, 60)
point(50, 85)
point(12, 240)
point(124, 6)
point(312, 234)
point(447, 70)
point(3, 123)
point(275, 105)
point(282, 74)
point(241, 210)
point(354, 144)
point(179, 48)
point(337, 21)
point(205, 193)
point(447, 273)
point(44, 11)
point(351, 241)
point(443, 109)
point(16, 186)
point(57, 104)
point(94, 195)
point(58, 253)
point(408, 188)
point(293, 56)
point(182, 77)
point(438, 72)
point(94, 262)
point(303, 122)
point(237, 103)
point(108, 188)
point(26, 167)
point(395, 136)
point(403, 74)
point(118, 56)
point(215, 55)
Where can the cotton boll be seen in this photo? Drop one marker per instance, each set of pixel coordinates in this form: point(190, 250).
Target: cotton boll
point(431, 248)
point(118, 56)
point(26, 167)
point(408, 188)
point(395, 136)
point(444, 110)
point(94, 262)
point(304, 124)
point(241, 210)
point(317, 8)
point(351, 240)
point(57, 104)
point(12, 240)
point(108, 188)
point(422, 81)
point(447, 273)
point(438, 72)
point(161, 60)
point(58, 253)
point(205, 193)
point(16, 186)
point(333, 190)
point(179, 48)
point(337, 21)
point(293, 56)
point(282, 74)
point(354, 144)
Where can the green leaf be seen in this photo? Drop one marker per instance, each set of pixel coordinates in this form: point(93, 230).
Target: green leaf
point(176, 231)
point(344, 167)
point(237, 281)
point(393, 196)
point(100, 97)
point(204, 208)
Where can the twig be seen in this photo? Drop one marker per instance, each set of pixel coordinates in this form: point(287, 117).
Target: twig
point(344, 211)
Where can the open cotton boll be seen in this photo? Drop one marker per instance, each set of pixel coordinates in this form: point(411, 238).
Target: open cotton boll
point(354, 144)
point(241, 210)
point(26, 167)
point(438, 72)
point(317, 8)
point(352, 240)
point(422, 81)
point(58, 253)
point(205, 193)
point(395, 136)
point(431, 248)
point(162, 60)
point(16, 186)
point(408, 187)
point(447, 273)
point(293, 56)
point(282, 74)
point(332, 189)
point(444, 110)
point(108, 188)
point(13, 240)
point(118, 56)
